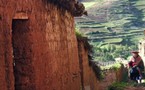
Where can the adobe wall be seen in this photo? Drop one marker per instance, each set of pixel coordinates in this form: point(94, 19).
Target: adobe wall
point(89, 81)
point(122, 74)
point(88, 77)
point(112, 76)
point(39, 39)
point(6, 66)
point(46, 54)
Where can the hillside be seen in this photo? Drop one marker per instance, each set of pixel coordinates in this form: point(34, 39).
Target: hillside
point(117, 22)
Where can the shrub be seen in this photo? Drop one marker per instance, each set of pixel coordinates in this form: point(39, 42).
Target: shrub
point(116, 66)
point(78, 33)
point(117, 86)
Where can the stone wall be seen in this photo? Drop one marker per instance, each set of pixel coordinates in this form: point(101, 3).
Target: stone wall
point(39, 39)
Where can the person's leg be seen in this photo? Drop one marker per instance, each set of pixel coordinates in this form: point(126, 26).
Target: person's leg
point(138, 81)
point(131, 76)
point(141, 73)
point(138, 78)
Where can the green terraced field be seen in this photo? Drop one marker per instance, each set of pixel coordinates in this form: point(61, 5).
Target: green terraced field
point(113, 40)
point(114, 20)
point(117, 24)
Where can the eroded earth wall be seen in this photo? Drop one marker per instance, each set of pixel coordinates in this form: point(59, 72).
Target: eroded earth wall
point(38, 39)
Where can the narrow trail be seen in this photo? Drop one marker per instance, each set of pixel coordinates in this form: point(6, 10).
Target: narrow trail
point(135, 88)
point(110, 78)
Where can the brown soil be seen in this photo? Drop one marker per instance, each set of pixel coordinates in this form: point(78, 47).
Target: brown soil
point(135, 88)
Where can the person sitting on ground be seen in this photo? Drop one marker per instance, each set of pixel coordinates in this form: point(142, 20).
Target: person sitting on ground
point(134, 72)
point(138, 60)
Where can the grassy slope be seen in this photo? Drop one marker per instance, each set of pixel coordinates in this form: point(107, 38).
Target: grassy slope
point(116, 19)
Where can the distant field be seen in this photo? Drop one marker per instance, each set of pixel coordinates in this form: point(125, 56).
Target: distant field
point(113, 40)
point(137, 38)
point(114, 21)
point(88, 4)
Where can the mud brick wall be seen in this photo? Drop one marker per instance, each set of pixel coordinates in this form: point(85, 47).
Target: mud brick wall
point(39, 39)
point(110, 77)
point(88, 77)
point(122, 74)
point(6, 66)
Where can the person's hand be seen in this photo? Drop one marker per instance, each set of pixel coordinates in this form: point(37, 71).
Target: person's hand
point(133, 60)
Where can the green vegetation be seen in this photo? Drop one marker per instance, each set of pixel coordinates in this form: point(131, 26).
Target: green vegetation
point(101, 70)
point(115, 66)
point(123, 85)
point(118, 25)
point(113, 40)
point(91, 3)
point(78, 33)
point(111, 51)
point(118, 86)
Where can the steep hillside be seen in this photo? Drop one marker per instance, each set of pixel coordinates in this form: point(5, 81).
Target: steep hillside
point(117, 22)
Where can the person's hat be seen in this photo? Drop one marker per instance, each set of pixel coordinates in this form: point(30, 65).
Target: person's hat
point(135, 52)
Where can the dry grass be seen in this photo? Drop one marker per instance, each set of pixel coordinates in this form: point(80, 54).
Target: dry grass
point(74, 7)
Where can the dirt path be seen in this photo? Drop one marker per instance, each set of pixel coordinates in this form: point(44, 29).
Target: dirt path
point(135, 88)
